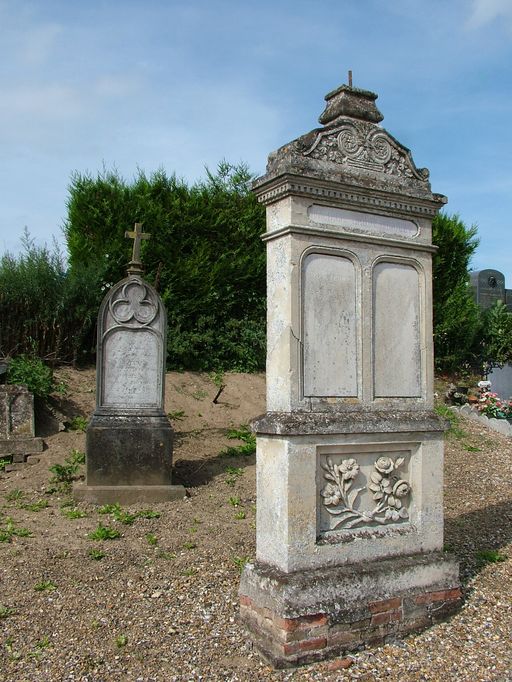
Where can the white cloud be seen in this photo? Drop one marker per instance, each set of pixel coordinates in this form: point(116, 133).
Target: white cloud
point(484, 12)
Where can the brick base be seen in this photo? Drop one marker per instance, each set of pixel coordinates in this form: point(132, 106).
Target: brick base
point(341, 626)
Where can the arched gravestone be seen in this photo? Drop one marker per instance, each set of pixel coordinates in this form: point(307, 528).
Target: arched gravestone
point(488, 287)
point(349, 534)
point(129, 438)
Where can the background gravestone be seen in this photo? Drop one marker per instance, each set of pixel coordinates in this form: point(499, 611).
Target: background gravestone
point(129, 438)
point(349, 532)
point(17, 430)
point(488, 287)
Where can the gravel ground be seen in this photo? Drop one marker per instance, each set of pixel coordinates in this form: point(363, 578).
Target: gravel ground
point(161, 604)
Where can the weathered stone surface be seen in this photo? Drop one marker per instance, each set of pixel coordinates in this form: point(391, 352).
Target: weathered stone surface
point(21, 446)
point(16, 412)
point(350, 452)
point(129, 438)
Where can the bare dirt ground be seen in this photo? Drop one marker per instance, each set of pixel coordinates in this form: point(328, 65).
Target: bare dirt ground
point(161, 604)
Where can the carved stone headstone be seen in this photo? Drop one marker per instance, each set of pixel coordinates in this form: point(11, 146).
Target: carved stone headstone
point(489, 287)
point(129, 438)
point(349, 546)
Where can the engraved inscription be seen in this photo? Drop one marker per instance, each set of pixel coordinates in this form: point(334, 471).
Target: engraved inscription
point(132, 371)
point(367, 223)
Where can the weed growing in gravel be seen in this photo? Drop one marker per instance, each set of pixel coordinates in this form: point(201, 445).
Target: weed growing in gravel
point(148, 514)
point(125, 518)
point(10, 531)
point(121, 641)
point(166, 555)
point(233, 474)
point(66, 473)
point(240, 562)
point(177, 416)
point(234, 501)
point(151, 539)
point(74, 513)
point(34, 506)
point(249, 443)
point(240, 515)
point(190, 571)
point(104, 533)
point(446, 413)
point(13, 654)
point(45, 586)
point(5, 611)
point(189, 545)
point(200, 394)
point(96, 554)
point(109, 509)
point(78, 423)
point(67, 502)
point(4, 461)
point(472, 448)
point(14, 495)
point(490, 556)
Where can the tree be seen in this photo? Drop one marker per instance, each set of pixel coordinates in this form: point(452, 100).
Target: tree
point(205, 256)
point(456, 314)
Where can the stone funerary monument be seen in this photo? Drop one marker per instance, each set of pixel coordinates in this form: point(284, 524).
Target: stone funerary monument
point(350, 452)
point(129, 438)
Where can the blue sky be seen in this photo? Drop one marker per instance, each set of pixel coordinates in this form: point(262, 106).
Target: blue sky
point(181, 85)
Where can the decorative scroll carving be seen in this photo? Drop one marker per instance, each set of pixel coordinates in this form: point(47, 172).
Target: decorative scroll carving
point(360, 144)
point(388, 491)
point(133, 304)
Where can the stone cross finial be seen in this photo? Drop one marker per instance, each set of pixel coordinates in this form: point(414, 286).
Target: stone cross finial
point(135, 265)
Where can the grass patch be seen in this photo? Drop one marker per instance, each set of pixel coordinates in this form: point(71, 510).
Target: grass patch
point(35, 506)
point(104, 533)
point(454, 430)
point(248, 446)
point(10, 531)
point(240, 562)
point(74, 513)
point(45, 586)
point(14, 495)
point(151, 539)
point(5, 611)
point(78, 423)
point(96, 554)
point(490, 556)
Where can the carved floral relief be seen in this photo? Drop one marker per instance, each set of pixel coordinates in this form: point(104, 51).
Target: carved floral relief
point(388, 490)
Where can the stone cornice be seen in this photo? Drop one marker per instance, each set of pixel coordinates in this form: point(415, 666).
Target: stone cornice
point(272, 189)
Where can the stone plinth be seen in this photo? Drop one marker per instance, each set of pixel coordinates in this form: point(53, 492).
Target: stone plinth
point(129, 438)
point(349, 528)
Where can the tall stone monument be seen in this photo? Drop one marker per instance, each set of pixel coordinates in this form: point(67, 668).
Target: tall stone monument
point(129, 438)
point(350, 452)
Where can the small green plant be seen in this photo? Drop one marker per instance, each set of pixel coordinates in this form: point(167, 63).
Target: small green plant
point(189, 545)
point(34, 506)
point(166, 555)
point(13, 654)
point(454, 430)
point(125, 518)
point(234, 501)
point(248, 446)
point(240, 515)
point(490, 556)
point(148, 514)
point(76, 457)
point(104, 533)
point(67, 502)
point(31, 372)
point(4, 461)
point(5, 611)
point(472, 448)
point(190, 571)
point(10, 531)
point(121, 641)
point(200, 394)
point(233, 474)
point(14, 495)
point(63, 473)
point(110, 509)
point(96, 554)
point(43, 643)
point(151, 539)
point(74, 513)
point(177, 416)
point(240, 562)
point(78, 423)
point(45, 586)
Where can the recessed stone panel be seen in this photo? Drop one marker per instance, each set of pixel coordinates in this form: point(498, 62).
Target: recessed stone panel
point(366, 223)
point(329, 326)
point(365, 493)
point(396, 331)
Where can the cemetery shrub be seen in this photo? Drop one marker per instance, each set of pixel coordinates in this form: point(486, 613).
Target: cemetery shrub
point(496, 336)
point(24, 370)
point(47, 311)
point(205, 257)
point(457, 322)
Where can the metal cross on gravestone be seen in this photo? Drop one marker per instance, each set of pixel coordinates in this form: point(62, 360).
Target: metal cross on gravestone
point(135, 265)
